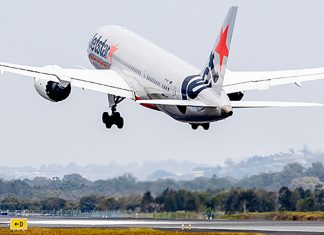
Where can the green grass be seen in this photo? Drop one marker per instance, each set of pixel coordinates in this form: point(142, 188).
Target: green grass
point(99, 231)
point(284, 215)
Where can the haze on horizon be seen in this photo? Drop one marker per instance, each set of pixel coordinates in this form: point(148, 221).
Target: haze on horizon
point(272, 35)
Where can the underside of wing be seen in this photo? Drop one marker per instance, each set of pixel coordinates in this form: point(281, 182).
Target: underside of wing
point(244, 81)
point(270, 104)
point(106, 81)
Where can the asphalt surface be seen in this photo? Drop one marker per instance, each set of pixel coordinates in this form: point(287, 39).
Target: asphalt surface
point(268, 227)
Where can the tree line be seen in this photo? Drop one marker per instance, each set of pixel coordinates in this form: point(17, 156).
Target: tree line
point(228, 201)
point(74, 186)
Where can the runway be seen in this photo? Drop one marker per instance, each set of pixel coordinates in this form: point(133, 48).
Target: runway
point(269, 227)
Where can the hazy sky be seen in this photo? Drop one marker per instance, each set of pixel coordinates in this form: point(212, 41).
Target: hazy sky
point(269, 35)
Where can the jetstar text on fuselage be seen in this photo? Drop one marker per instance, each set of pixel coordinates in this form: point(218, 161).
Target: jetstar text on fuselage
point(98, 46)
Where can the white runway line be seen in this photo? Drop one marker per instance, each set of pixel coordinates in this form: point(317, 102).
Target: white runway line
point(99, 222)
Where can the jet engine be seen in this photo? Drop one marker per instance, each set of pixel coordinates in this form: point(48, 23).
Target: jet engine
point(52, 91)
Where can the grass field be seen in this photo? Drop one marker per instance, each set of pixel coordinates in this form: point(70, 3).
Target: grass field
point(284, 215)
point(98, 231)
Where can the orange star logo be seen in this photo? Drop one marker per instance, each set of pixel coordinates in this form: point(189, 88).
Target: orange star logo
point(112, 50)
point(222, 48)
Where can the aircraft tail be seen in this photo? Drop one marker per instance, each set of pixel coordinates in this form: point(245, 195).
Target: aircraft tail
point(214, 71)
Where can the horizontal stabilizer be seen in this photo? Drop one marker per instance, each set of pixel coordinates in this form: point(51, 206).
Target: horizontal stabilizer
point(246, 81)
point(270, 104)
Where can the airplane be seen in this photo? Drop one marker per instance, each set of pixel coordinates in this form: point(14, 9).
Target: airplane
point(128, 66)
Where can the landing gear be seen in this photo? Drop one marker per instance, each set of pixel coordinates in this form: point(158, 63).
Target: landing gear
point(195, 126)
point(205, 126)
point(114, 118)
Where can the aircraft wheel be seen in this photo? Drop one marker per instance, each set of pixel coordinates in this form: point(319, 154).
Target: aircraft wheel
point(205, 126)
point(194, 126)
point(105, 117)
point(108, 125)
point(114, 119)
point(119, 122)
point(108, 120)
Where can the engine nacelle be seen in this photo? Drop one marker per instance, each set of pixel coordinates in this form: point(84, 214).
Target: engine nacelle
point(52, 91)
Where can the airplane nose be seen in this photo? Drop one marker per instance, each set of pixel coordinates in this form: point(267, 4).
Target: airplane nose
point(226, 111)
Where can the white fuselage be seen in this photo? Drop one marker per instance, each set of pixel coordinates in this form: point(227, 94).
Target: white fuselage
point(154, 73)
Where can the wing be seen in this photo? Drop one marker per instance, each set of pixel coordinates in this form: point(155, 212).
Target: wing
point(244, 81)
point(106, 81)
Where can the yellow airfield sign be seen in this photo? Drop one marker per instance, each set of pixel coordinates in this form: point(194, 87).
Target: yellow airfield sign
point(18, 224)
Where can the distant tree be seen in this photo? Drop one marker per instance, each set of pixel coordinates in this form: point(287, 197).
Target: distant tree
point(10, 203)
point(182, 199)
point(112, 204)
point(100, 203)
point(319, 198)
point(218, 201)
point(53, 203)
point(29, 205)
point(88, 203)
point(307, 204)
point(170, 203)
point(250, 201)
point(147, 202)
point(191, 202)
point(268, 201)
point(72, 205)
point(286, 200)
point(107, 204)
point(73, 181)
point(303, 193)
point(204, 201)
point(130, 203)
point(168, 199)
point(232, 203)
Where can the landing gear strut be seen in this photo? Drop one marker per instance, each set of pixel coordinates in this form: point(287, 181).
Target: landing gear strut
point(114, 118)
point(195, 126)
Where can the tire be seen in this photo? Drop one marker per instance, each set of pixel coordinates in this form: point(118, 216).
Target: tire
point(105, 117)
point(205, 126)
point(194, 126)
point(109, 122)
point(108, 125)
point(120, 122)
